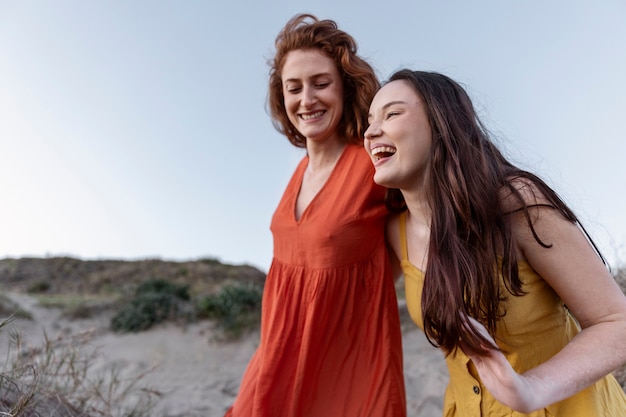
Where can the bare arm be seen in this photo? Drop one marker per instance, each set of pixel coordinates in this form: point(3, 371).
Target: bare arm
point(579, 277)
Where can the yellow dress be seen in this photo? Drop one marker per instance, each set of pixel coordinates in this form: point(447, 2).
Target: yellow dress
point(536, 327)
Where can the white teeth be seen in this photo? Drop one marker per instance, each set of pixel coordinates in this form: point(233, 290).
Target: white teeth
point(312, 115)
point(383, 151)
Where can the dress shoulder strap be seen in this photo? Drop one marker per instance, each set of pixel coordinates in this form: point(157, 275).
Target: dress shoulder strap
point(403, 245)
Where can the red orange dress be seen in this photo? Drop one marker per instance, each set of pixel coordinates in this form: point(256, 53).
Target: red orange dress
point(330, 333)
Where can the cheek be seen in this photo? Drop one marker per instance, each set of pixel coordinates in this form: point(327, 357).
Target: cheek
point(338, 100)
point(288, 103)
point(291, 108)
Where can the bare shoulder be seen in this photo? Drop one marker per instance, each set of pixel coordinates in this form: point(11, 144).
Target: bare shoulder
point(534, 218)
point(521, 192)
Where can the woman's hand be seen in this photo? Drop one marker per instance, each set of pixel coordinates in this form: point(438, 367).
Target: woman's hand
point(498, 376)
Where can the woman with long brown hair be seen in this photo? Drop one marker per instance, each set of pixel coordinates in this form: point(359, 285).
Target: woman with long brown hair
point(498, 270)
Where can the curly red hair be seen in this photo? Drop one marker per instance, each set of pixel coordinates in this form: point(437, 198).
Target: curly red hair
point(305, 31)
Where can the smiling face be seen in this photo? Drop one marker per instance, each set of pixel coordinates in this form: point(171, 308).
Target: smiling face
point(313, 92)
point(399, 138)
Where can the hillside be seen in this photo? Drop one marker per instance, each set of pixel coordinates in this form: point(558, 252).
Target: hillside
point(67, 275)
point(91, 342)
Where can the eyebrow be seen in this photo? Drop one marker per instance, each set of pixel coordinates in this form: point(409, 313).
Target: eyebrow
point(391, 103)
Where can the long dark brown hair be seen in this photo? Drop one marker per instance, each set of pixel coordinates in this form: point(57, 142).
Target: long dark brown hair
point(470, 231)
point(305, 31)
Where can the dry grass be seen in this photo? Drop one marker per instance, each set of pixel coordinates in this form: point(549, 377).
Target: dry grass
point(55, 379)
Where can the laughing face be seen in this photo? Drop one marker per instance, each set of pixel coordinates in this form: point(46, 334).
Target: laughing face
point(313, 92)
point(399, 137)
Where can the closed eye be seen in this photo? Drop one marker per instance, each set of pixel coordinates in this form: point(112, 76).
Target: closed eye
point(392, 114)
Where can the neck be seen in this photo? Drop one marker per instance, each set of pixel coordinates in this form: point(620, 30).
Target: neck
point(324, 155)
point(417, 205)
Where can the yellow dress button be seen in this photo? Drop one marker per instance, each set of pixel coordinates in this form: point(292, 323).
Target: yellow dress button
point(476, 389)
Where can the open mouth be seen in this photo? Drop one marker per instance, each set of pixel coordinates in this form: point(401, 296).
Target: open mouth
point(381, 152)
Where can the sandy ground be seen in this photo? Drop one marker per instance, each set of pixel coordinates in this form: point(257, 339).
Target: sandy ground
point(199, 375)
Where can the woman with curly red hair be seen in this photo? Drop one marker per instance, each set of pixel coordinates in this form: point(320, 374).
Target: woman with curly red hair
point(330, 331)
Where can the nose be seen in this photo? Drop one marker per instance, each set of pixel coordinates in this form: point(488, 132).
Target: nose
point(309, 96)
point(372, 131)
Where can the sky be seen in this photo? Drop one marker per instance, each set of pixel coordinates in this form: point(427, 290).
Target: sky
point(138, 129)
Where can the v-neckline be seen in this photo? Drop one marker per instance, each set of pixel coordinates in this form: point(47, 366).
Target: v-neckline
point(320, 191)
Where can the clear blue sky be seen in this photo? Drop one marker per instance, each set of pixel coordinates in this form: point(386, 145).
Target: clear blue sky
point(138, 129)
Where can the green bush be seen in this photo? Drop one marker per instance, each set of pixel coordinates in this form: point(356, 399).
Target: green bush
point(236, 307)
point(155, 301)
point(38, 287)
point(162, 286)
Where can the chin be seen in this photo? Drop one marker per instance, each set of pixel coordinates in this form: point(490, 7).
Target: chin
point(382, 180)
